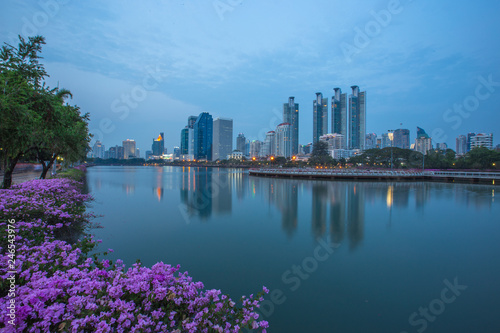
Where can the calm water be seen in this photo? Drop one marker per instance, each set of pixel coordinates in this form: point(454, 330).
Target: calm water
point(338, 256)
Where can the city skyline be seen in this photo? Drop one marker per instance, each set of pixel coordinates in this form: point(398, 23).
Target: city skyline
point(140, 71)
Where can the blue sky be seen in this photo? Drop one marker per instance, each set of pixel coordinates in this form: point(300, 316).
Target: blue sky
point(141, 68)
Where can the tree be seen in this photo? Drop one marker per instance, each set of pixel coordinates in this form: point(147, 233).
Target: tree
point(320, 154)
point(20, 79)
point(37, 122)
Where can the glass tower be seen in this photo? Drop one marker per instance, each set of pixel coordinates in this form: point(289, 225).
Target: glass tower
point(203, 132)
point(291, 116)
point(320, 116)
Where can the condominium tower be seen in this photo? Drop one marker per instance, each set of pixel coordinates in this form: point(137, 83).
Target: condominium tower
point(339, 114)
point(320, 117)
point(357, 119)
point(291, 116)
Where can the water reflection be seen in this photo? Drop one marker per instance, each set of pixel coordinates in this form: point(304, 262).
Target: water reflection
point(334, 208)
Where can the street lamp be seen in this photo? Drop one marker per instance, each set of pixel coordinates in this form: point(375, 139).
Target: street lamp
point(391, 137)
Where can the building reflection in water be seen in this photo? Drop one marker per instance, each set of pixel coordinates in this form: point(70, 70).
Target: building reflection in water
point(205, 191)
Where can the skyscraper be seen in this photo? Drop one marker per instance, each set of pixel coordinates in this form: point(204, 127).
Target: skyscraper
point(339, 114)
point(357, 119)
point(320, 116)
point(283, 140)
point(469, 136)
point(184, 149)
point(402, 138)
point(423, 143)
point(98, 150)
point(203, 134)
point(371, 141)
point(461, 145)
point(222, 138)
point(270, 144)
point(158, 145)
point(291, 116)
point(240, 143)
point(128, 149)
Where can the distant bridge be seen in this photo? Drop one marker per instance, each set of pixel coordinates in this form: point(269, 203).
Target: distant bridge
point(403, 175)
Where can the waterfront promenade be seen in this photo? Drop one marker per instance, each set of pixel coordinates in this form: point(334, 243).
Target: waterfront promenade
point(381, 175)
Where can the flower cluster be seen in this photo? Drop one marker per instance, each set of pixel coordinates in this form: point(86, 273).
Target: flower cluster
point(62, 288)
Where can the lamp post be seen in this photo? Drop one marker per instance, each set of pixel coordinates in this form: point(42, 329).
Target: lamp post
point(391, 137)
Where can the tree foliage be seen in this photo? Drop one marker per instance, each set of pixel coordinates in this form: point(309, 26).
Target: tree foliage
point(34, 119)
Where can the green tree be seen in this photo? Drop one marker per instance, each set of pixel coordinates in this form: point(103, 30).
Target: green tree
point(21, 75)
point(320, 154)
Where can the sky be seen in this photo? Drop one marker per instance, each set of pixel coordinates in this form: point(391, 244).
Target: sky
point(141, 68)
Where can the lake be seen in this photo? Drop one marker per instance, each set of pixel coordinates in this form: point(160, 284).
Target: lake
point(337, 256)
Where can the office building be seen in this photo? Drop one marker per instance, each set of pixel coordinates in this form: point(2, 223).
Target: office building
point(203, 135)
point(270, 144)
point(240, 143)
point(291, 116)
point(423, 143)
point(402, 138)
point(461, 148)
point(129, 149)
point(386, 140)
point(137, 153)
point(371, 141)
point(357, 119)
point(283, 140)
point(339, 114)
point(185, 141)
point(255, 147)
point(441, 146)
point(320, 117)
point(334, 141)
point(98, 150)
point(469, 136)
point(482, 140)
point(222, 138)
point(158, 145)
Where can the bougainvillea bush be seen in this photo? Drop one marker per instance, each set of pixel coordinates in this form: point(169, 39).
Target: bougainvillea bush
point(61, 288)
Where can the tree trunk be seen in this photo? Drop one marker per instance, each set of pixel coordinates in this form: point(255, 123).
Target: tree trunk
point(46, 168)
point(9, 169)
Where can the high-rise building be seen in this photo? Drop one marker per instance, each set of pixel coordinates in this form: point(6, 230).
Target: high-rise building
point(441, 146)
point(339, 114)
point(481, 140)
point(284, 140)
point(177, 152)
point(191, 121)
point(137, 153)
point(203, 134)
point(402, 138)
point(357, 119)
point(371, 141)
point(386, 141)
point(185, 141)
point(255, 147)
point(291, 116)
point(334, 141)
point(240, 143)
point(128, 149)
point(461, 145)
point(158, 145)
point(469, 136)
point(320, 116)
point(222, 138)
point(98, 150)
point(270, 144)
point(423, 143)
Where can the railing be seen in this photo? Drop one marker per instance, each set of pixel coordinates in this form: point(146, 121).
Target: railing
point(379, 173)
